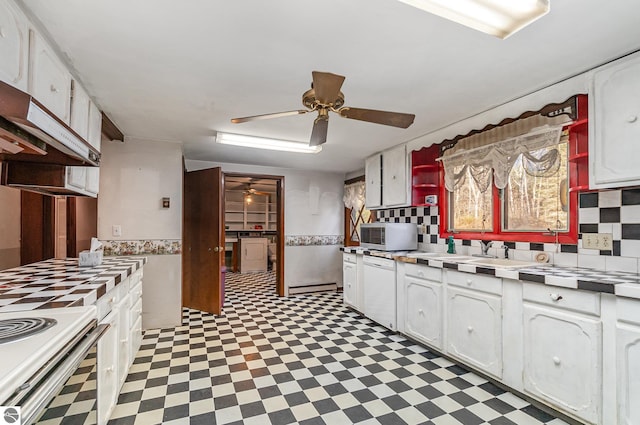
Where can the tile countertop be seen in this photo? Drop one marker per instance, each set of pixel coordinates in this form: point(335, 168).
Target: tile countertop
point(622, 284)
point(62, 283)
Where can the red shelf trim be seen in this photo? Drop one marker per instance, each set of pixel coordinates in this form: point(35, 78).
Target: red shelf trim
point(425, 167)
point(425, 185)
point(578, 156)
point(425, 205)
point(579, 188)
point(578, 123)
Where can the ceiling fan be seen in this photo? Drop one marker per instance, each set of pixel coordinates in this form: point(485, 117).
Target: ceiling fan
point(325, 96)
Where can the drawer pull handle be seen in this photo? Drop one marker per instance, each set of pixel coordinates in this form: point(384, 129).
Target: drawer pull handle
point(124, 341)
point(632, 118)
point(556, 360)
point(556, 297)
point(470, 329)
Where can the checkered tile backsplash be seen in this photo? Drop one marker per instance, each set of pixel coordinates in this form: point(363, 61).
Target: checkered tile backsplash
point(612, 211)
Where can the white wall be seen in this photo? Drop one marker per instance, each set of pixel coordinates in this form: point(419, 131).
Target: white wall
point(9, 227)
point(303, 191)
point(134, 177)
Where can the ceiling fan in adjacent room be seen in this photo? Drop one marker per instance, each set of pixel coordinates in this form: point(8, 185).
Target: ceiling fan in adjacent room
point(325, 96)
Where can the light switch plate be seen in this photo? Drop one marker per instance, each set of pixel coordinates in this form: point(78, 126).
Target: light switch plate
point(601, 241)
point(116, 230)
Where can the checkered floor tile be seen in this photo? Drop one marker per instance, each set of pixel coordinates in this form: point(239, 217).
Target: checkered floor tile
point(303, 360)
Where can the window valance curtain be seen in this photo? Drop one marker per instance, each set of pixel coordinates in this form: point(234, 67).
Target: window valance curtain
point(537, 147)
point(354, 194)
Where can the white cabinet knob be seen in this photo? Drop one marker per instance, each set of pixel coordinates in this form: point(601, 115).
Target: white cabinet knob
point(393, 177)
point(470, 329)
point(555, 297)
point(53, 89)
point(421, 312)
point(421, 274)
point(632, 118)
point(469, 282)
point(110, 369)
point(124, 341)
point(556, 360)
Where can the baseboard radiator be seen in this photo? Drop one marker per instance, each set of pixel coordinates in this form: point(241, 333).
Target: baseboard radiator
point(313, 287)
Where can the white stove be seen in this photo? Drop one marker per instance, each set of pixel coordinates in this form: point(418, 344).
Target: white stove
point(24, 358)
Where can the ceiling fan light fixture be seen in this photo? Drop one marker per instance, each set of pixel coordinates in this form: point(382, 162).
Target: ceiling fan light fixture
point(265, 143)
point(499, 18)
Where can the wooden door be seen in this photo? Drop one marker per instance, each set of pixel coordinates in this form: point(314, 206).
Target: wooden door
point(203, 241)
point(37, 241)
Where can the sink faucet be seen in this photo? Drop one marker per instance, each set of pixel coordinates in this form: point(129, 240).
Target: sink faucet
point(485, 245)
point(506, 251)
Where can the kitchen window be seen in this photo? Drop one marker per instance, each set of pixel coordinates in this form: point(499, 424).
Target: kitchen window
point(515, 189)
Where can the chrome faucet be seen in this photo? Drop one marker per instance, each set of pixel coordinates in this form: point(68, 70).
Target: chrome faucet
point(484, 246)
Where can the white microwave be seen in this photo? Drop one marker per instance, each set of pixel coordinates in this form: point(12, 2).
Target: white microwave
point(389, 236)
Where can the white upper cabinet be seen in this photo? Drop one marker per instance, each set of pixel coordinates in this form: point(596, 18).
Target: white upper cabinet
point(394, 177)
point(80, 110)
point(373, 176)
point(386, 176)
point(614, 125)
point(14, 45)
point(49, 80)
point(95, 126)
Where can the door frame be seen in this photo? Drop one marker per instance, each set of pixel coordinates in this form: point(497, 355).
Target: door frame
point(279, 221)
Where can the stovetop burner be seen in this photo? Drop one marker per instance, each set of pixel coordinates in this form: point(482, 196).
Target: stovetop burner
point(16, 329)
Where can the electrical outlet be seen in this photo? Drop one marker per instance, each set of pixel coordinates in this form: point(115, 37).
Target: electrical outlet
point(116, 230)
point(422, 229)
point(601, 241)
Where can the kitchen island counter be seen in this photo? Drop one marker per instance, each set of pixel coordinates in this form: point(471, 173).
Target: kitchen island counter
point(59, 283)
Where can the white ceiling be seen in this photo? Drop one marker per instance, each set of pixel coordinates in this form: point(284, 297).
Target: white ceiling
point(180, 70)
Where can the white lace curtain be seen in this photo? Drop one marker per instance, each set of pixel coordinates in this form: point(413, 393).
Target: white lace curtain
point(354, 195)
point(497, 159)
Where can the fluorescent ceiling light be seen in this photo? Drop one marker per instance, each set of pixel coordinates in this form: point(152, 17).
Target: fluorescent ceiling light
point(264, 143)
point(496, 17)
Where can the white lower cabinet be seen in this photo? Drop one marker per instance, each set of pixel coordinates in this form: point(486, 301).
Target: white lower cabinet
point(350, 280)
point(124, 337)
point(107, 365)
point(423, 308)
point(628, 361)
point(562, 359)
point(474, 329)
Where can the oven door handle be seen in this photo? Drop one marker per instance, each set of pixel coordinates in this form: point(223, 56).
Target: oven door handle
point(43, 394)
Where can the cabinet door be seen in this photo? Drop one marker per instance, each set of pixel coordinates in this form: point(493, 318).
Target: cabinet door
point(92, 182)
point(14, 46)
point(394, 177)
point(49, 80)
point(349, 277)
point(373, 176)
point(123, 341)
point(77, 177)
point(474, 329)
point(615, 125)
point(628, 374)
point(562, 360)
point(80, 111)
point(95, 126)
point(424, 310)
point(107, 364)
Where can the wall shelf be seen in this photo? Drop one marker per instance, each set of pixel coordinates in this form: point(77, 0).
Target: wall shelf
point(425, 174)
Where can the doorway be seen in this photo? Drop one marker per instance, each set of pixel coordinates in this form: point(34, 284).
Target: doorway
point(254, 224)
point(204, 234)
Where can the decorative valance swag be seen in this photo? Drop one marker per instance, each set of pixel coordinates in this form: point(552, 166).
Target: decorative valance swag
point(354, 195)
point(540, 157)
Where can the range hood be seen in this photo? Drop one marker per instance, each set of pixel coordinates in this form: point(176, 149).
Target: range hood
point(30, 133)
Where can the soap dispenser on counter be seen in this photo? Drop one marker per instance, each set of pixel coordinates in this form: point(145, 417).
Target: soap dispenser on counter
point(451, 245)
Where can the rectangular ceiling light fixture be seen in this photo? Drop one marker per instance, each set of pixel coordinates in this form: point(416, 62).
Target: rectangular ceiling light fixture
point(500, 18)
point(265, 143)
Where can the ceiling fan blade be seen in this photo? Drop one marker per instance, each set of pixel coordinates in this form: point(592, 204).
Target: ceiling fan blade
point(326, 86)
point(319, 132)
point(396, 119)
point(268, 116)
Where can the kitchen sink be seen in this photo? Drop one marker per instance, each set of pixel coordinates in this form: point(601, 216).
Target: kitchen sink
point(501, 262)
point(440, 256)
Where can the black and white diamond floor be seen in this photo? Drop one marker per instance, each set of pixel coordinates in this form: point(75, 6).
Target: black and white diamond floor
point(299, 360)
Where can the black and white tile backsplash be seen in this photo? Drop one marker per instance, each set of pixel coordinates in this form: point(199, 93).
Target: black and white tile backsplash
point(612, 211)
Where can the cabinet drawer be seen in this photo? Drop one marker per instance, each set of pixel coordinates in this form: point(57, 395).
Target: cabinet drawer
point(106, 302)
point(423, 272)
point(135, 292)
point(489, 284)
point(136, 277)
point(349, 258)
point(136, 311)
point(564, 298)
point(628, 310)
